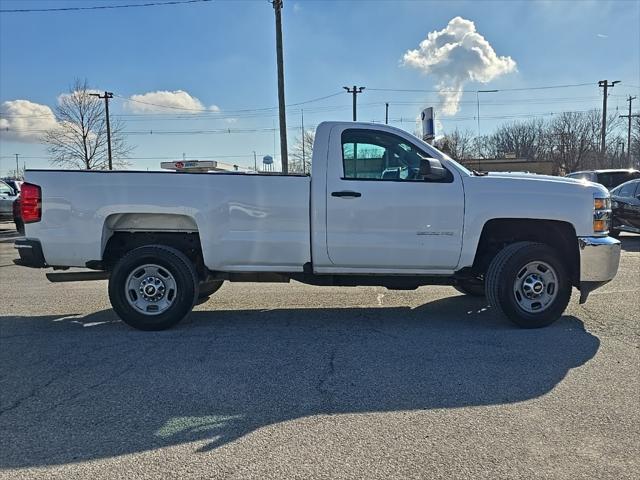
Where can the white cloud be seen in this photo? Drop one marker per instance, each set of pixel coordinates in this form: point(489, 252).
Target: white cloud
point(164, 101)
point(25, 121)
point(67, 95)
point(456, 55)
point(601, 35)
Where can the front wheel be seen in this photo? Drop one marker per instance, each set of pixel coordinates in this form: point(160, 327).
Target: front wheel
point(153, 287)
point(528, 283)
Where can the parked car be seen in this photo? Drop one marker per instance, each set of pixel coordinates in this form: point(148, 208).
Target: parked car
point(7, 197)
point(381, 207)
point(610, 178)
point(625, 206)
point(15, 184)
point(17, 216)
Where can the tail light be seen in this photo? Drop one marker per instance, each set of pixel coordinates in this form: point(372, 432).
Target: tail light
point(30, 203)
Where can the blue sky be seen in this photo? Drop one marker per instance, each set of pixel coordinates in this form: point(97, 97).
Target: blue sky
point(223, 54)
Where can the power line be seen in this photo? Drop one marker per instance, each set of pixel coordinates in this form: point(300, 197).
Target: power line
point(546, 87)
point(103, 7)
point(260, 112)
point(202, 110)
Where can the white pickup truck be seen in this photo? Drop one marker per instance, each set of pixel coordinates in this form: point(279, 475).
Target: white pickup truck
point(380, 208)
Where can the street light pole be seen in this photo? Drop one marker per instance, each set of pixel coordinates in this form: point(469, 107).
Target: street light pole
point(478, 105)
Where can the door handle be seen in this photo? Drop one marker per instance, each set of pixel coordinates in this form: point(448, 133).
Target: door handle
point(346, 194)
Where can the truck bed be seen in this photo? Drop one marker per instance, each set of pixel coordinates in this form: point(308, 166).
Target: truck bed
point(246, 222)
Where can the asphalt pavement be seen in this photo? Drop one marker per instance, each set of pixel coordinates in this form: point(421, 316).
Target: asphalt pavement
point(291, 381)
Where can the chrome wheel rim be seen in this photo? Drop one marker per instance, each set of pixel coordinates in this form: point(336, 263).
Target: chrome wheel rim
point(535, 287)
point(150, 289)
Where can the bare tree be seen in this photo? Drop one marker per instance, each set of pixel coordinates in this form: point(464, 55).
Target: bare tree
point(299, 157)
point(80, 138)
point(573, 141)
point(457, 144)
point(521, 139)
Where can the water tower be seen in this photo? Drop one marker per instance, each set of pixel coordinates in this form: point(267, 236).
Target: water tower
point(267, 163)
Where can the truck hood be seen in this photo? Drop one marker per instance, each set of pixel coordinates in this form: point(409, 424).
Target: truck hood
point(533, 177)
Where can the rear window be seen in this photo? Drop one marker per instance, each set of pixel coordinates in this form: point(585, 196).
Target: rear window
point(613, 179)
point(582, 176)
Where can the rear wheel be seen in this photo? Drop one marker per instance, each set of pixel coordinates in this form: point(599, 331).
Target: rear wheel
point(153, 287)
point(528, 283)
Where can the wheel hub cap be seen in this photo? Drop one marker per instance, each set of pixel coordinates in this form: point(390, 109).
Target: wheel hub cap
point(150, 289)
point(535, 286)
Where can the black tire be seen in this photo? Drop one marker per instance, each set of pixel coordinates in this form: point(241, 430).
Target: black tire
point(177, 265)
point(206, 289)
point(502, 277)
point(470, 287)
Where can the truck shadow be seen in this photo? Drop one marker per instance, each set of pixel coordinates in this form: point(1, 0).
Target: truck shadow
point(78, 388)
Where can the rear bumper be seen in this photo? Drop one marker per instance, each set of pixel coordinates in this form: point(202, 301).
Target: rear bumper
point(30, 253)
point(599, 259)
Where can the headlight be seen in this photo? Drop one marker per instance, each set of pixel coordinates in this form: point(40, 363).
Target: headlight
point(601, 214)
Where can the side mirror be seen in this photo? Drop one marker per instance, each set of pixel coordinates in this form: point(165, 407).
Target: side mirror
point(432, 169)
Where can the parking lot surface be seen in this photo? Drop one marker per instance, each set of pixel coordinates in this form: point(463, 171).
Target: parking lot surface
point(291, 381)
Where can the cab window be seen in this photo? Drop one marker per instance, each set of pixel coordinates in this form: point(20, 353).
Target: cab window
point(375, 155)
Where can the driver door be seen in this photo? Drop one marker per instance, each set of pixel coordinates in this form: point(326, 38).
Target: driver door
point(381, 213)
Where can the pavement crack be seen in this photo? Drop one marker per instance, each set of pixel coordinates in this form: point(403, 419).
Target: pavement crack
point(321, 387)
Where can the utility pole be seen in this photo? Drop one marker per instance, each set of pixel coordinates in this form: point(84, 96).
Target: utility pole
point(106, 96)
point(18, 165)
point(355, 91)
point(284, 157)
point(606, 85)
point(255, 161)
point(386, 113)
point(303, 150)
point(629, 99)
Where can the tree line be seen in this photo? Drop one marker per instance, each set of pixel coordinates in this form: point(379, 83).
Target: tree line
point(570, 140)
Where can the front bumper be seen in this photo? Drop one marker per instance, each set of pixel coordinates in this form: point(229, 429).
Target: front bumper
point(599, 259)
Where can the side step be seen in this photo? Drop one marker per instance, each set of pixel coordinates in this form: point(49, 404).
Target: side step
point(77, 276)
